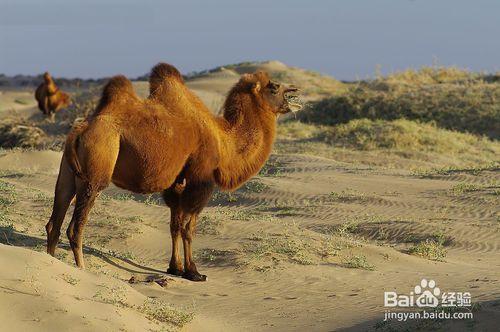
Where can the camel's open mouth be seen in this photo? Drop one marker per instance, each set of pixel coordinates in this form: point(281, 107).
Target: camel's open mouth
point(293, 102)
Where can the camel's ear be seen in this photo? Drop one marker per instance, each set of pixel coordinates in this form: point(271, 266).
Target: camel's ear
point(256, 88)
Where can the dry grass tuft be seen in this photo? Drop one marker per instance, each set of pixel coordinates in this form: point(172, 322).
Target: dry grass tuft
point(452, 98)
point(162, 312)
point(430, 249)
point(18, 135)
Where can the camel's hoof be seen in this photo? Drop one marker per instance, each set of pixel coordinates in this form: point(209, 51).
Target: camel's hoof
point(194, 276)
point(175, 271)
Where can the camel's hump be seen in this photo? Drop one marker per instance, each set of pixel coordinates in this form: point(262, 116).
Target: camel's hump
point(164, 70)
point(117, 85)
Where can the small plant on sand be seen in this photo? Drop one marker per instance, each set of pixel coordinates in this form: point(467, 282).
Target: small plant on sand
point(105, 197)
point(347, 228)
point(69, 279)
point(357, 262)
point(430, 249)
point(39, 196)
point(273, 167)
point(112, 295)
point(462, 188)
point(330, 247)
point(226, 197)
point(473, 170)
point(208, 226)
point(162, 312)
point(123, 197)
point(21, 102)
point(8, 194)
point(292, 248)
point(348, 195)
point(256, 186)
point(152, 200)
point(127, 255)
point(4, 217)
point(216, 256)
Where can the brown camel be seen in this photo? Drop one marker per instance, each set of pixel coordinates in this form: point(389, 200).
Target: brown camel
point(169, 142)
point(50, 99)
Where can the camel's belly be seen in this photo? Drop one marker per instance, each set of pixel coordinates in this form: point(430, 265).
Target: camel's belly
point(147, 173)
point(140, 185)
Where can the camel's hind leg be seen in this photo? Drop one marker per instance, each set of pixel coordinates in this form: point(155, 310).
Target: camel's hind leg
point(98, 152)
point(85, 197)
point(64, 193)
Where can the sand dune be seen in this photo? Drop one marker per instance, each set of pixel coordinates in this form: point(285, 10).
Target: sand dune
point(272, 252)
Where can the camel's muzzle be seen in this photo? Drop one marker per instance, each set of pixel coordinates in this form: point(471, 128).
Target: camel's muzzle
point(293, 103)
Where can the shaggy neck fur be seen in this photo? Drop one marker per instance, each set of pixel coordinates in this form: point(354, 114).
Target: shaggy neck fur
point(247, 139)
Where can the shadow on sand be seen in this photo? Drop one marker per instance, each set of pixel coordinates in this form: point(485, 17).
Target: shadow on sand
point(9, 236)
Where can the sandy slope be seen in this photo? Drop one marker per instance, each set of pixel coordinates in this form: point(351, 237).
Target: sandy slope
point(40, 293)
point(273, 252)
point(16, 103)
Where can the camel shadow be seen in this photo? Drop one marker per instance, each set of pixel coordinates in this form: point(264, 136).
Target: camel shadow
point(10, 236)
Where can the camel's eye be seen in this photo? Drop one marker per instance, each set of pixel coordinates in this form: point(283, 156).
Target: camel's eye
point(273, 87)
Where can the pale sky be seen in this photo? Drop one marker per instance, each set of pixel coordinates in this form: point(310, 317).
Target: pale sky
point(343, 38)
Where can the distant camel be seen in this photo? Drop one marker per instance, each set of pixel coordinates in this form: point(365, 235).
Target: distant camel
point(50, 99)
point(169, 142)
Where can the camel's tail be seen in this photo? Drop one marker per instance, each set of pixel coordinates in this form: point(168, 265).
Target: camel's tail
point(160, 73)
point(70, 149)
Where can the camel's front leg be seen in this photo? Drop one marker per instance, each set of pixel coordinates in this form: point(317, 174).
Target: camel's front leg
point(190, 272)
point(176, 223)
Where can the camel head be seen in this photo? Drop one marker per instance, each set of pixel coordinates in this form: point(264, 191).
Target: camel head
point(277, 97)
point(46, 77)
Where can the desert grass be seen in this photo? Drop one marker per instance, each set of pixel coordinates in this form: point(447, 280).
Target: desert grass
point(382, 142)
point(430, 249)
point(256, 186)
point(208, 225)
point(218, 257)
point(451, 98)
point(70, 279)
point(272, 168)
point(157, 310)
point(357, 262)
point(463, 188)
point(280, 247)
point(224, 197)
point(407, 137)
point(348, 195)
point(8, 195)
point(447, 170)
point(20, 135)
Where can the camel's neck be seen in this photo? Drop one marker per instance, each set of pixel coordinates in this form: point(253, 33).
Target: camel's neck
point(51, 87)
point(245, 146)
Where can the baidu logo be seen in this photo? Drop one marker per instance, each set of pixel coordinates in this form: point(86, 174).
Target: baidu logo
point(427, 294)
